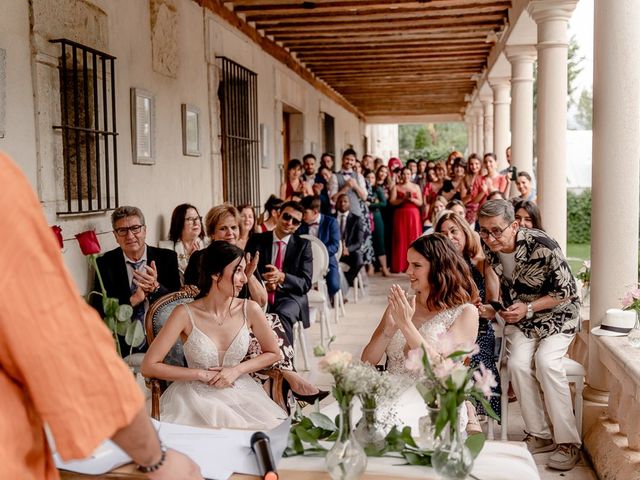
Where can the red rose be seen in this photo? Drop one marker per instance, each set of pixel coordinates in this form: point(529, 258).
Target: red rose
point(57, 231)
point(88, 242)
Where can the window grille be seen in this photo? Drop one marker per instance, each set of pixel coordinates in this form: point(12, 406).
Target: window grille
point(329, 134)
point(88, 125)
point(238, 94)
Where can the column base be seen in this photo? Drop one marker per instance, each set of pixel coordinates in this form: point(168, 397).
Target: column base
point(610, 453)
point(596, 396)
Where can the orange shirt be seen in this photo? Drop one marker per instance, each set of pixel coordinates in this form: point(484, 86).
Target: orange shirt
point(58, 363)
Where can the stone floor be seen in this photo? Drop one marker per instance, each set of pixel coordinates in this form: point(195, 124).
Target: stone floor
point(353, 332)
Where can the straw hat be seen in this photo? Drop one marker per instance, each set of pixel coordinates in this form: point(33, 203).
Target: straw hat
point(617, 323)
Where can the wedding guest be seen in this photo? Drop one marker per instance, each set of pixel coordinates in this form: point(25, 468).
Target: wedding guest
point(58, 363)
point(271, 210)
point(407, 199)
point(395, 165)
point(523, 184)
point(326, 160)
point(215, 389)
point(439, 205)
point(542, 315)
point(349, 182)
point(450, 161)
point(135, 273)
point(473, 185)
point(495, 195)
point(247, 224)
point(309, 167)
point(490, 182)
point(294, 186)
point(527, 214)
point(352, 235)
point(321, 189)
point(456, 206)
point(187, 234)
point(367, 162)
point(377, 204)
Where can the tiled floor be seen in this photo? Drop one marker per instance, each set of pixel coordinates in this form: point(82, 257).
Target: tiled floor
point(353, 332)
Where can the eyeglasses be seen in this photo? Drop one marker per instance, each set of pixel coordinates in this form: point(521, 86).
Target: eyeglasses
point(122, 232)
point(290, 218)
point(496, 233)
point(193, 220)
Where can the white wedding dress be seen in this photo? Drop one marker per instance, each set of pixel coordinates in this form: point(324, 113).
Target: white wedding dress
point(245, 405)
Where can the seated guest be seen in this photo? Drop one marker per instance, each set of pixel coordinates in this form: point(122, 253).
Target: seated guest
point(215, 390)
point(524, 186)
point(187, 234)
point(294, 186)
point(135, 273)
point(286, 265)
point(326, 229)
point(527, 214)
point(271, 210)
point(352, 237)
point(247, 224)
point(542, 313)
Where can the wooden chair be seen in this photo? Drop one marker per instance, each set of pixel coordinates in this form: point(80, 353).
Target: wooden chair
point(271, 378)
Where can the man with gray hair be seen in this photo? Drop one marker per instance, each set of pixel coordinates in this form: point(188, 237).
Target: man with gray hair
point(135, 273)
point(541, 310)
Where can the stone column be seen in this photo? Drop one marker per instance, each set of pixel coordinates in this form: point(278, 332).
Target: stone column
point(615, 168)
point(552, 18)
point(479, 125)
point(487, 118)
point(521, 58)
point(501, 136)
point(468, 120)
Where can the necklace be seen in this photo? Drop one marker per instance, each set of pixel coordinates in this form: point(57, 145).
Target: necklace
point(216, 317)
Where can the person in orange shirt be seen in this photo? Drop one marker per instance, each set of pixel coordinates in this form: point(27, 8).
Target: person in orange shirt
point(58, 363)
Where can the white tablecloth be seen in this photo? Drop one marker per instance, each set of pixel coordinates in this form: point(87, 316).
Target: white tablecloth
point(497, 461)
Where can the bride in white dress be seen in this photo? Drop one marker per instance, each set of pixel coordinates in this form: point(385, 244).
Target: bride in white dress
point(443, 303)
point(216, 389)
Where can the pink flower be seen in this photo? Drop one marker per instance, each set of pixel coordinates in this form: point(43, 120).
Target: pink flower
point(443, 369)
point(335, 361)
point(88, 242)
point(413, 361)
point(447, 345)
point(627, 300)
point(484, 380)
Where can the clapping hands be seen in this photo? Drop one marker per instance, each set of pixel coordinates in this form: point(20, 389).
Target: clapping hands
point(401, 307)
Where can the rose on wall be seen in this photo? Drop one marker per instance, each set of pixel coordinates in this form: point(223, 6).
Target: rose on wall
point(88, 241)
point(57, 232)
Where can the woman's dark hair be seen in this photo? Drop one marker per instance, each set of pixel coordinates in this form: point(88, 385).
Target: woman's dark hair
point(450, 280)
point(472, 245)
point(272, 203)
point(177, 221)
point(525, 175)
point(214, 260)
point(533, 211)
point(293, 163)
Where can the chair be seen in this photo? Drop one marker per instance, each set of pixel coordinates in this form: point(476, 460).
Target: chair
point(338, 299)
point(158, 314)
point(575, 374)
point(319, 298)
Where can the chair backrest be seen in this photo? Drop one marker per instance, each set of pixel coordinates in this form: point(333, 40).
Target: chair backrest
point(320, 257)
point(159, 313)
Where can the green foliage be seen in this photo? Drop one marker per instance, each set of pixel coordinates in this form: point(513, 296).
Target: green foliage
point(584, 117)
point(579, 217)
point(574, 68)
point(431, 141)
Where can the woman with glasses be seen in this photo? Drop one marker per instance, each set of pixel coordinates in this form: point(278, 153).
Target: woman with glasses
point(186, 233)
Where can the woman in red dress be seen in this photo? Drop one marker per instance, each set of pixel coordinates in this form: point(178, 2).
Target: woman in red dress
point(407, 199)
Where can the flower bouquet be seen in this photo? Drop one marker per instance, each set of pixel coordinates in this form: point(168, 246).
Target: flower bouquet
point(584, 276)
point(631, 301)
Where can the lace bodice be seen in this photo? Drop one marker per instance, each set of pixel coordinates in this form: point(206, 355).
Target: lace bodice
point(430, 330)
point(202, 352)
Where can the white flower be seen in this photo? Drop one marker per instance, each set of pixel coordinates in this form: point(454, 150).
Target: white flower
point(413, 362)
point(447, 345)
point(335, 361)
point(459, 375)
point(484, 380)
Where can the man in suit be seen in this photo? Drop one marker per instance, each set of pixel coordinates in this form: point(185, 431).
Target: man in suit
point(326, 229)
point(352, 236)
point(286, 266)
point(135, 273)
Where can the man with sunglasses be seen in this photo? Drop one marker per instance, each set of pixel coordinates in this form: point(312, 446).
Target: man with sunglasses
point(135, 273)
point(286, 266)
point(541, 310)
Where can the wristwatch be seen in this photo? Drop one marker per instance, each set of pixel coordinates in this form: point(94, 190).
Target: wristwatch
point(529, 314)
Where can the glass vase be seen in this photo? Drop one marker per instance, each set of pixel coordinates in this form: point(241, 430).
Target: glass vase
point(369, 431)
point(585, 294)
point(346, 460)
point(451, 457)
point(634, 334)
point(427, 429)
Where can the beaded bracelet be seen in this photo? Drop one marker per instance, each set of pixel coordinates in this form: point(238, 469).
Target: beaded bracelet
point(158, 464)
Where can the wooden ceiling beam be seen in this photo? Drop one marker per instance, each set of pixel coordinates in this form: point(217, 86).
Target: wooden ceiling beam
point(380, 37)
point(422, 59)
point(442, 49)
point(442, 46)
point(246, 6)
point(388, 39)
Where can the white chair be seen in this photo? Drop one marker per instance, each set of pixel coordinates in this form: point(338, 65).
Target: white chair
point(575, 374)
point(300, 339)
point(320, 298)
point(338, 299)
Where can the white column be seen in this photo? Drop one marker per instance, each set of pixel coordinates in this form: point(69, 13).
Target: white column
point(521, 58)
point(552, 17)
point(487, 118)
point(479, 124)
point(501, 125)
point(468, 120)
point(616, 166)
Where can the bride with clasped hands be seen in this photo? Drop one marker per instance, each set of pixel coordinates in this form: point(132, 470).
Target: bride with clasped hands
point(443, 303)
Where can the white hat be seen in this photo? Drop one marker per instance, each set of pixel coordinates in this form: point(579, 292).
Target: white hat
point(617, 323)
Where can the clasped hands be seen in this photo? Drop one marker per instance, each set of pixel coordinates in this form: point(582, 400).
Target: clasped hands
point(273, 277)
point(513, 314)
point(219, 377)
point(146, 280)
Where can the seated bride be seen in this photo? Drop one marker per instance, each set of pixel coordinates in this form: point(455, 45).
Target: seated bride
point(443, 303)
point(215, 390)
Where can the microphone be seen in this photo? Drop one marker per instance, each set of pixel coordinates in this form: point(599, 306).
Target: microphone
point(262, 449)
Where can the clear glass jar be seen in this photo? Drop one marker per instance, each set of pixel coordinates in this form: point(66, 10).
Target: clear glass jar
point(634, 334)
point(369, 431)
point(427, 429)
point(346, 460)
point(451, 457)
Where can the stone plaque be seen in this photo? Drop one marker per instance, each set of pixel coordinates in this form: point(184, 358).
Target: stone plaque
point(164, 37)
point(3, 90)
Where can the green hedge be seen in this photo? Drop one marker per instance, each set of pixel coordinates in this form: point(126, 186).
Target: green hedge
point(579, 217)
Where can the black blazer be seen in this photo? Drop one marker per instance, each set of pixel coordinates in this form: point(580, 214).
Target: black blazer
point(116, 281)
point(353, 233)
point(297, 266)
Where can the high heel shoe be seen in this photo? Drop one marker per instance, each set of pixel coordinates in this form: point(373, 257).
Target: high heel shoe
point(311, 399)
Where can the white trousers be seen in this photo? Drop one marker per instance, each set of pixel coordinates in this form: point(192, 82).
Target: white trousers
point(540, 382)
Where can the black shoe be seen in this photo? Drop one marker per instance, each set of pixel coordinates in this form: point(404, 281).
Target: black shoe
point(311, 399)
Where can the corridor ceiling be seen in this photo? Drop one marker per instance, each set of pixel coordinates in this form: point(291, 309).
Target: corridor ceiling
point(386, 57)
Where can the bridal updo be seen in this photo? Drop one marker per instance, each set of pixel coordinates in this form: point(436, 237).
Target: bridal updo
point(215, 259)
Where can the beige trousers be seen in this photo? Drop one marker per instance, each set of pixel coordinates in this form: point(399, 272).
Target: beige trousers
point(540, 382)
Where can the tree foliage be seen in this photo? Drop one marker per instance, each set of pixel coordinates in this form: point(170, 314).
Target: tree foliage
point(584, 117)
point(432, 141)
point(579, 217)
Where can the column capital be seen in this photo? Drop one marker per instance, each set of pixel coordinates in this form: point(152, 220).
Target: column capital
point(486, 100)
point(499, 82)
point(551, 10)
point(521, 53)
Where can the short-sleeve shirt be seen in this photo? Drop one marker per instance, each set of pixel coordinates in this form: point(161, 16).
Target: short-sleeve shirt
point(58, 361)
